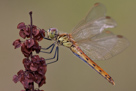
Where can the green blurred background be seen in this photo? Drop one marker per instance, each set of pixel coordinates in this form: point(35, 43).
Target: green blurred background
point(69, 73)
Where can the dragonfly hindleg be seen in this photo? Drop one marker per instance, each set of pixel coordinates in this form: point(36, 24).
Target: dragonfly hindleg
point(56, 54)
point(52, 45)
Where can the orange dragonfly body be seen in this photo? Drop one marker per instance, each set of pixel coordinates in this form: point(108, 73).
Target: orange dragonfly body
point(89, 41)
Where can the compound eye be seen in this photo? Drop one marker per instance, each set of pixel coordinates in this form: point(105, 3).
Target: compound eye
point(53, 30)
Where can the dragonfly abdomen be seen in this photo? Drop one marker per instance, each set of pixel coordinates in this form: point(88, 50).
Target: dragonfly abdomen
point(79, 53)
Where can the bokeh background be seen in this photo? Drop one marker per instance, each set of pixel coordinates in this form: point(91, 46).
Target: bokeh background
point(69, 73)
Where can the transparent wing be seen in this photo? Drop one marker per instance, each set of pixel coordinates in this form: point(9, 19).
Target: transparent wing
point(94, 23)
point(103, 46)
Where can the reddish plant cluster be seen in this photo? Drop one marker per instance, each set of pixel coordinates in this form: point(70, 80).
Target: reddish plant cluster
point(35, 66)
point(29, 45)
point(35, 70)
point(25, 31)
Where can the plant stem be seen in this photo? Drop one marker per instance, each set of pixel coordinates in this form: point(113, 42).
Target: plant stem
point(32, 86)
point(31, 24)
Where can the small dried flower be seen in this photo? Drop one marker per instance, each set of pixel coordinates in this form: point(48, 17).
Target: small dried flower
point(21, 25)
point(29, 43)
point(36, 47)
point(17, 43)
point(40, 35)
point(26, 51)
point(27, 63)
point(22, 34)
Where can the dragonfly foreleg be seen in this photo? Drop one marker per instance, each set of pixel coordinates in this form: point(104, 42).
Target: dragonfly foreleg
point(56, 53)
point(52, 45)
point(45, 37)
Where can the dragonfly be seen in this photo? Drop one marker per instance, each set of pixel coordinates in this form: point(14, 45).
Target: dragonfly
point(90, 40)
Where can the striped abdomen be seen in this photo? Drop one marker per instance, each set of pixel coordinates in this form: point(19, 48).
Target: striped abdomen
point(78, 52)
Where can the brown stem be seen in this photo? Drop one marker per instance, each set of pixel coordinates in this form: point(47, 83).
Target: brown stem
point(27, 90)
point(32, 86)
point(31, 24)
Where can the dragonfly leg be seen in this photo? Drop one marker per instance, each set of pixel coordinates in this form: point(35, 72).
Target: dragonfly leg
point(52, 45)
point(45, 37)
point(56, 54)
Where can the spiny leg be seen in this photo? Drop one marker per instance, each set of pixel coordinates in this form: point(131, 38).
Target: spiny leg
point(52, 45)
point(56, 53)
point(45, 37)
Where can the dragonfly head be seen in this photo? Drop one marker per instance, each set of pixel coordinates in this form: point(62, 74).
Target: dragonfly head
point(52, 33)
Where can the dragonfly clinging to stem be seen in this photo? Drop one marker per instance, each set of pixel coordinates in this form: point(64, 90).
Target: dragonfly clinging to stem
point(89, 41)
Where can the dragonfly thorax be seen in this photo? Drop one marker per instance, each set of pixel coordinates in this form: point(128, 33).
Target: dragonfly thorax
point(65, 40)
